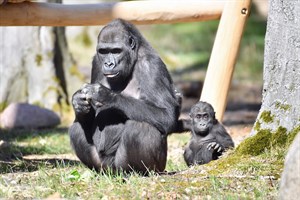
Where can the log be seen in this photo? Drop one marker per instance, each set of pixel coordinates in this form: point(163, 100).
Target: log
point(138, 12)
point(224, 54)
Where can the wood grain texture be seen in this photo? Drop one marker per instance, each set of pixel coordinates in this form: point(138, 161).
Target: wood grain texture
point(138, 12)
point(224, 54)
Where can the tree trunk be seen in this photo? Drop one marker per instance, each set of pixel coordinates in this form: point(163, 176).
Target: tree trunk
point(35, 67)
point(281, 91)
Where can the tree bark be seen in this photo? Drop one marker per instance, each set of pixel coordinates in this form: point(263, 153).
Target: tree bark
point(281, 90)
point(35, 67)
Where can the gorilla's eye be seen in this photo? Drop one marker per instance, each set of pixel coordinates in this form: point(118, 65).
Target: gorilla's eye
point(198, 116)
point(205, 116)
point(116, 51)
point(103, 51)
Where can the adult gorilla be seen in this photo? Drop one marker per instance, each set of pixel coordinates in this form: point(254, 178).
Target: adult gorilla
point(124, 115)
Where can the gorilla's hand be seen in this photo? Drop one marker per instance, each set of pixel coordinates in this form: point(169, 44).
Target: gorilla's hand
point(91, 95)
point(80, 100)
point(100, 95)
point(215, 147)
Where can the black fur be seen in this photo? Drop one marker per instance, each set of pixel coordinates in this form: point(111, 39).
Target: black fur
point(209, 137)
point(124, 115)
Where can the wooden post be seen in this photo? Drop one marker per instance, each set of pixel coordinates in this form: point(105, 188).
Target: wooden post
point(224, 54)
point(138, 12)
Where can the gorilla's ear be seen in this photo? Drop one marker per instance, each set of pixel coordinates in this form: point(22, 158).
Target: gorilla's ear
point(131, 42)
point(190, 115)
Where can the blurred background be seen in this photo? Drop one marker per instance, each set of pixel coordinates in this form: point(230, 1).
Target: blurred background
point(186, 49)
point(44, 66)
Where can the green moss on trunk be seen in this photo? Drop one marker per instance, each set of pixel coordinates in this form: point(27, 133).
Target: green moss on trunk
point(257, 126)
point(255, 145)
point(279, 138)
point(291, 136)
point(283, 106)
point(267, 117)
point(267, 139)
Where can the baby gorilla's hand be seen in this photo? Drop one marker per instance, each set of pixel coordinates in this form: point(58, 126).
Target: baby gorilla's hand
point(215, 146)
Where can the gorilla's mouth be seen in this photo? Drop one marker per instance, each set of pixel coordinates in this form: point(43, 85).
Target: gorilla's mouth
point(112, 75)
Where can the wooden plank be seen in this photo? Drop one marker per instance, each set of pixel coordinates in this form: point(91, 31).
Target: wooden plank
point(139, 12)
point(224, 54)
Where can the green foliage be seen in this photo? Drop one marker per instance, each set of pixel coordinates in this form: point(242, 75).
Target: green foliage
point(38, 60)
point(37, 103)
point(75, 72)
point(84, 38)
point(185, 44)
point(189, 45)
point(184, 37)
point(186, 47)
point(3, 105)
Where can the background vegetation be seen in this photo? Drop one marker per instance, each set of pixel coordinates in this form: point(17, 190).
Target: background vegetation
point(186, 47)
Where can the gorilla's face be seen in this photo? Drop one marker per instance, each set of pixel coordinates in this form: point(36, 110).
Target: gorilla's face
point(116, 51)
point(203, 118)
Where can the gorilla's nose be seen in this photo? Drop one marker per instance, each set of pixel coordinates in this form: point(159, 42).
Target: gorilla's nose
point(109, 65)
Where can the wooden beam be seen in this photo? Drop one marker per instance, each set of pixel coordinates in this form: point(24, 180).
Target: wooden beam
point(139, 12)
point(224, 54)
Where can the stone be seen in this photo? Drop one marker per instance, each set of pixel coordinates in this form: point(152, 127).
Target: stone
point(24, 115)
point(290, 178)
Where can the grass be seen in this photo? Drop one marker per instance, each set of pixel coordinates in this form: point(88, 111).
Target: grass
point(41, 164)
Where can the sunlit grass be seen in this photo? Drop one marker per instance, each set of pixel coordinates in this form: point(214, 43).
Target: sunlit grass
point(231, 177)
point(38, 141)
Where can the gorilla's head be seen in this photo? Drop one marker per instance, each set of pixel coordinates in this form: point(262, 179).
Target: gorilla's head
point(118, 44)
point(203, 118)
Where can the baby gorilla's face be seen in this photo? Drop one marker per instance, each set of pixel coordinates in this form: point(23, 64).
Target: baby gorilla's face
point(202, 116)
point(202, 122)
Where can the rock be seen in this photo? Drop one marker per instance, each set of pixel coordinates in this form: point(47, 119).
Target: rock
point(23, 115)
point(290, 179)
point(4, 144)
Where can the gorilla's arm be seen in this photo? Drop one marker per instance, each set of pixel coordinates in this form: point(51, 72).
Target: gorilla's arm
point(182, 126)
point(222, 137)
point(157, 104)
point(163, 118)
point(188, 156)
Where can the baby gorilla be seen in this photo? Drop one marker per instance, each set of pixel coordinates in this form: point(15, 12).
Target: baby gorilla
point(209, 137)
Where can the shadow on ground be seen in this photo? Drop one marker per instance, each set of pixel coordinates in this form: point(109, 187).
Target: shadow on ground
point(16, 156)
